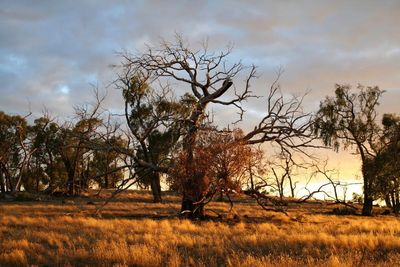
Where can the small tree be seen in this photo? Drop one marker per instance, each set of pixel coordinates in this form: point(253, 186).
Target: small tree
point(222, 158)
point(283, 170)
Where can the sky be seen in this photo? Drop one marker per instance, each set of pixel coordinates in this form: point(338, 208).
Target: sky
point(53, 52)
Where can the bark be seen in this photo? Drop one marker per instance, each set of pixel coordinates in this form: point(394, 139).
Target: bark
point(368, 199)
point(37, 176)
point(71, 176)
point(196, 184)
point(155, 185)
point(85, 177)
point(195, 190)
point(2, 178)
point(37, 183)
point(292, 186)
point(367, 206)
point(192, 210)
point(71, 183)
point(2, 185)
point(396, 204)
point(221, 196)
point(106, 182)
point(393, 201)
point(9, 183)
point(19, 187)
point(50, 169)
point(388, 201)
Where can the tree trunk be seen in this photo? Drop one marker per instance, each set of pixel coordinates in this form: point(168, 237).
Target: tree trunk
point(368, 199)
point(190, 209)
point(191, 205)
point(396, 204)
point(2, 179)
point(368, 204)
point(195, 190)
point(196, 185)
point(221, 196)
point(9, 183)
point(71, 184)
point(37, 183)
point(223, 186)
point(19, 187)
point(106, 182)
point(291, 186)
point(393, 200)
point(71, 177)
point(2, 186)
point(156, 187)
point(51, 182)
point(50, 171)
point(387, 201)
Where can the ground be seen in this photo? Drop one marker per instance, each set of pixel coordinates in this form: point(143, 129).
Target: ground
point(132, 231)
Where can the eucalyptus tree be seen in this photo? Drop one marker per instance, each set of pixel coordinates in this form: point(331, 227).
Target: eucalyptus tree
point(104, 164)
point(350, 119)
point(42, 169)
point(158, 148)
point(75, 154)
point(386, 164)
point(156, 121)
point(15, 152)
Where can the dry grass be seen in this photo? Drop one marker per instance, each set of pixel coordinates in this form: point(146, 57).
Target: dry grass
point(55, 234)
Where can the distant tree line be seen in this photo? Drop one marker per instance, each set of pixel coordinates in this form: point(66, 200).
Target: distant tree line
point(49, 156)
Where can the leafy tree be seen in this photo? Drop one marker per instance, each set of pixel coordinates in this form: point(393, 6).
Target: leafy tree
point(155, 119)
point(385, 165)
point(14, 152)
point(104, 165)
point(349, 119)
point(42, 167)
point(75, 154)
point(48, 156)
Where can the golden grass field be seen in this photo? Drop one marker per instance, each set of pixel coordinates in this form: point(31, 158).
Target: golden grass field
point(132, 231)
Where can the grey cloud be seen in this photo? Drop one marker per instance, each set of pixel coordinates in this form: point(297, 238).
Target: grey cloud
point(50, 47)
point(50, 44)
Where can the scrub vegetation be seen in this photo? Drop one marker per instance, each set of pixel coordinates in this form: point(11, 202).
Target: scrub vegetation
point(133, 231)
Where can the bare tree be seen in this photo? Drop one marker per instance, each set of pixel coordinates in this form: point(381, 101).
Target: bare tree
point(283, 169)
point(209, 79)
point(328, 187)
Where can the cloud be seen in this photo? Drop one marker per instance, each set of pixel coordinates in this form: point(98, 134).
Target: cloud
point(51, 51)
point(53, 43)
